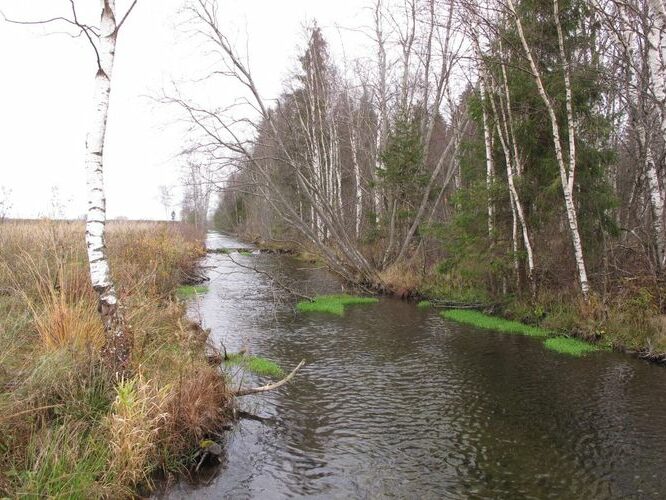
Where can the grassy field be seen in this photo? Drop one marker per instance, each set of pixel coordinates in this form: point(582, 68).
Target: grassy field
point(68, 429)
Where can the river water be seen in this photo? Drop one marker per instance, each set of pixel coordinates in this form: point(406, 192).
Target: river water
point(395, 402)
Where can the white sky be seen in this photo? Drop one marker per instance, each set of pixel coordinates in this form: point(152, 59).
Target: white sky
point(46, 85)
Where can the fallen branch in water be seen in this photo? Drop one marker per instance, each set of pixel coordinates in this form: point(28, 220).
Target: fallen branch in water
point(269, 387)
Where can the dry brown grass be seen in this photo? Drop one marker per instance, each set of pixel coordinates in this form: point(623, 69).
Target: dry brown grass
point(67, 428)
point(402, 278)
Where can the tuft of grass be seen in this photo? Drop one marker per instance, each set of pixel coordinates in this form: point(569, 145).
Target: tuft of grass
point(572, 347)
point(189, 291)
point(256, 365)
point(333, 304)
point(138, 413)
point(424, 304)
point(480, 320)
point(64, 462)
point(245, 253)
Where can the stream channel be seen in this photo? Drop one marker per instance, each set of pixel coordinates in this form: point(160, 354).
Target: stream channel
point(396, 402)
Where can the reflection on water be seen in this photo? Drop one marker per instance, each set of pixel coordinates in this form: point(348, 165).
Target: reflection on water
point(396, 402)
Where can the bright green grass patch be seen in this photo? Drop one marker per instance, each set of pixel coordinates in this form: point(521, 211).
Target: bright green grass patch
point(487, 322)
point(188, 291)
point(256, 365)
point(333, 304)
point(424, 304)
point(572, 347)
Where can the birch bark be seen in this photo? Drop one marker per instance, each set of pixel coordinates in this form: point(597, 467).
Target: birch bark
point(490, 165)
point(567, 169)
point(118, 339)
point(656, 55)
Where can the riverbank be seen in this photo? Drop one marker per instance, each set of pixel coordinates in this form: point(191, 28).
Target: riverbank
point(627, 320)
point(498, 414)
point(628, 323)
point(67, 428)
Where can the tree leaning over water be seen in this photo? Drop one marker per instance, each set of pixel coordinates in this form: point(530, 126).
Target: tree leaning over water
point(508, 147)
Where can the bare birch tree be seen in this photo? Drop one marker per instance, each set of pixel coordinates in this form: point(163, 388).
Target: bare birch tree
point(567, 166)
point(102, 40)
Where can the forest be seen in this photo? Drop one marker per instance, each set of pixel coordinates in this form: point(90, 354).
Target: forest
point(508, 154)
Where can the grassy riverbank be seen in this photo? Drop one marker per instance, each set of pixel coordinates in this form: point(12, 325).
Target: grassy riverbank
point(627, 317)
point(553, 341)
point(628, 321)
point(67, 428)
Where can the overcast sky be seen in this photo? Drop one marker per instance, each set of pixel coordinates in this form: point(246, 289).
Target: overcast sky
point(46, 89)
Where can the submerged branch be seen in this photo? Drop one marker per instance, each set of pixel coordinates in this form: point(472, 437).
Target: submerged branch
point(269, 387)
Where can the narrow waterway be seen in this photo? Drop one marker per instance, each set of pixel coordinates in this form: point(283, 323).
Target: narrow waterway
point(396, 402)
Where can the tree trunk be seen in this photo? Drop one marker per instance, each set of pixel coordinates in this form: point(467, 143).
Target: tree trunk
point(566, 174)
point(656, 54)
point(118, 340)
point(490, 165)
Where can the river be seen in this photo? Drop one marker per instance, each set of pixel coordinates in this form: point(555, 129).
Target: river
point(395, 402)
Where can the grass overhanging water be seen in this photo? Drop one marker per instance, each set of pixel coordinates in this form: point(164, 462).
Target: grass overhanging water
point(189, 291)
point(255, 364)
point(333, 304)
point(560, 344)
point(480, 320)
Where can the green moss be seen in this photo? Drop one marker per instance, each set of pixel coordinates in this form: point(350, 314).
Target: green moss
point(572, 347)
point(487, 322)
point(188, 291)
point(245, 253)
point(424, 304)
point(333, 304)
point(255, 364)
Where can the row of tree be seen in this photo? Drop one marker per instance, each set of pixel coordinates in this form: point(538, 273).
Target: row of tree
point(523, 139)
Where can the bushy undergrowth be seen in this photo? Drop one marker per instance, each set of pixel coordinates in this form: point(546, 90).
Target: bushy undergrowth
point(333, 304)
point(68, 428)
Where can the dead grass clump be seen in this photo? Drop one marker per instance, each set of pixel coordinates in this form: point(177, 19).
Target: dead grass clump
point(401, 278)
point(137, 417)
point(60, 324)
point(200, 403)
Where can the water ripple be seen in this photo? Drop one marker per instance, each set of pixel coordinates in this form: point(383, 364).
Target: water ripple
point(397, 403)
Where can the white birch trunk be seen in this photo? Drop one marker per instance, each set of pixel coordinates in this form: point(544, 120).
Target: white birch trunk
point(118, 342)
point(566, 174)
point(490, 165)
point(656, 54)
point(358, 198)
point(656, 200)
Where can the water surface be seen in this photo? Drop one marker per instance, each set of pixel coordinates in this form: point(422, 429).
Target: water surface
point(396, 402)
